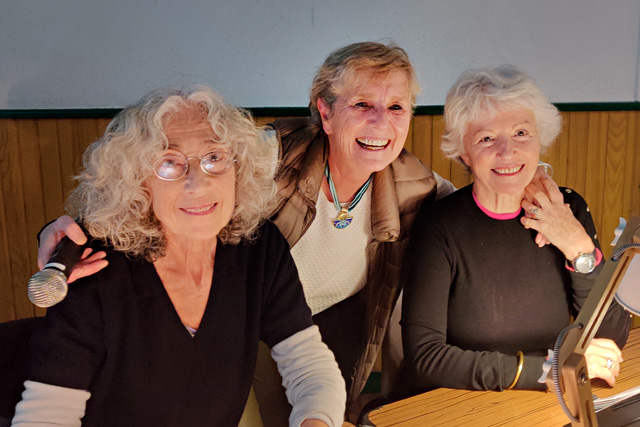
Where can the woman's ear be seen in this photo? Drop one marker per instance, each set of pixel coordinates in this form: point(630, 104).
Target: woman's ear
point(464, 162)
point(464, 159)
point(325, 115)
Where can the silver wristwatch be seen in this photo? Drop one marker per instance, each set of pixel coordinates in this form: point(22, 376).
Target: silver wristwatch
point(584, 263)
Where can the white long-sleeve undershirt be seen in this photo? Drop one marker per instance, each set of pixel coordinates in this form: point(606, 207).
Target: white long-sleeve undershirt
point(315, 388)
point(310, 374)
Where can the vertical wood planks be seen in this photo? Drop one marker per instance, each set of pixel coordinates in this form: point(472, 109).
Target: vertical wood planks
point(422, 139)
point(52, 177)
point(560, 148)
point(38, 159)
point(596, 163)
point(459, 175)
point(597, 154)
point(631, 191)
point(7, 309)
point(577, 125)
point(33, 188)
point(13, 189)
point(68, 156)
point(614, 176)
point(438, 163)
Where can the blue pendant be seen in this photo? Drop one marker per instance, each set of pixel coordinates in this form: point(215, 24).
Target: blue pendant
point(342, 220)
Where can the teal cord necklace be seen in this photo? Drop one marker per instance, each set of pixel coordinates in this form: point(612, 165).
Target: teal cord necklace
point(343, 219)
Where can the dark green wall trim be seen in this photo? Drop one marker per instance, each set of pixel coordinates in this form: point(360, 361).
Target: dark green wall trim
point(76, 113)
point(599, 106)
point(432, 110)
point(429, 110)
point(108, 113)
point(421, 110)
point(280, 111)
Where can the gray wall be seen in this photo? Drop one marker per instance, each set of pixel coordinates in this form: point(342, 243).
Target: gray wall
point(92, 54)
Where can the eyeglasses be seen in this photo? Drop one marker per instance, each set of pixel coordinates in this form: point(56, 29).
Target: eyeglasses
point(173, 166)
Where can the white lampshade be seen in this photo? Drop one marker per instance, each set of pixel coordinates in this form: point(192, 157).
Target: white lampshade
point(628, 293)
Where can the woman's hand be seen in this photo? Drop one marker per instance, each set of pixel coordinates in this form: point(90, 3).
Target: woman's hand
point(541, 172)
point(603, 360)
point(549, 215)
point(53, 234)
point(312, 422)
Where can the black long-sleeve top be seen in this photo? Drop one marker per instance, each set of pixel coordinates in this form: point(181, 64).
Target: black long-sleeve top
point(478, 290)
point(117, 335)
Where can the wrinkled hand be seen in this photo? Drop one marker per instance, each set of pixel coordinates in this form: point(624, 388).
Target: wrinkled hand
point(541, 172)
point(548, 214)
point(597, 354)
point(53, 234)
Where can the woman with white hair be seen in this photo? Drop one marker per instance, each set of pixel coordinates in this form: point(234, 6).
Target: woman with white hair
point(485, 298)
point(175, 193)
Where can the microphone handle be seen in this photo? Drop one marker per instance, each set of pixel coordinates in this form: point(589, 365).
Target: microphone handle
point(66, 255)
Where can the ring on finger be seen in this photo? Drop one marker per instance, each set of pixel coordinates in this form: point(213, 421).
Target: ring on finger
point(534, 213)
point(609, 364)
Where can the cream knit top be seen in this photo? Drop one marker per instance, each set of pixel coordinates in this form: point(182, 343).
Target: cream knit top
point(332, 263)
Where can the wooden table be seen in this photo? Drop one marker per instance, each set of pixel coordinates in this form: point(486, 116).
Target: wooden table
point(448, 407)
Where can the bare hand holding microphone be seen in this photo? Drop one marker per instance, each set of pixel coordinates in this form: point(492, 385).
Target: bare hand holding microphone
point(63, 259)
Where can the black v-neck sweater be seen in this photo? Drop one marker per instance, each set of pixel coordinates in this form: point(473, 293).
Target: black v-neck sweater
point(118, 336)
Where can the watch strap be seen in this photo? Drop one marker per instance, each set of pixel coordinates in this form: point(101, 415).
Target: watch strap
point(597, 254)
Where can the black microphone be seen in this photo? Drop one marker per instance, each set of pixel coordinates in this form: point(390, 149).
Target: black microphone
point(49, 286)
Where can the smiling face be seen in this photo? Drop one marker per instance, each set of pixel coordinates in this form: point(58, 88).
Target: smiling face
point(503, 153)
point(367, 126)
point(197, 206)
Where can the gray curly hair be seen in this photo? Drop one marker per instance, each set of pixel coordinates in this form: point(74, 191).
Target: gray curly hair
point(114, 205)
point(479, 92)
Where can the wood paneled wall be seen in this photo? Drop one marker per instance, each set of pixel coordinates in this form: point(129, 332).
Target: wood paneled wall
point(597, 154)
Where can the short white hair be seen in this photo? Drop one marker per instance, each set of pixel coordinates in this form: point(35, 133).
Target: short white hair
point(479, 92)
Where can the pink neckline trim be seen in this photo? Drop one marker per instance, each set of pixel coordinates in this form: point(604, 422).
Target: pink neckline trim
point(499, 216)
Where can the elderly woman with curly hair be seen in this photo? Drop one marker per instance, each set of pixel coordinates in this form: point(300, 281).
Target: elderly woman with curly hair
point(485, 298)
point(347, 194)
point(175, 193)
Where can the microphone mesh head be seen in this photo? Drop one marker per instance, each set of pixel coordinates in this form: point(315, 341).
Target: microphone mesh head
point(47, 287)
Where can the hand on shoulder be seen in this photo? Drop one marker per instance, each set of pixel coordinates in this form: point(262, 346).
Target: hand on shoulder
point(547, 213)
point(51, 236)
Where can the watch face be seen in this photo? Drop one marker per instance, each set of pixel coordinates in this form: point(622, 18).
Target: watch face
point(585, 263)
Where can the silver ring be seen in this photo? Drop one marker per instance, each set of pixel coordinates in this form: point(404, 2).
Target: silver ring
point(534, 213)
point(609, 363)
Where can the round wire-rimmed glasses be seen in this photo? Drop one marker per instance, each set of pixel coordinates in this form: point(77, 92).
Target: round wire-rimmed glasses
point(173, 166)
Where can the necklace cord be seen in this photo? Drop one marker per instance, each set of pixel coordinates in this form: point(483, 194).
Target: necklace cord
point(334, 194)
